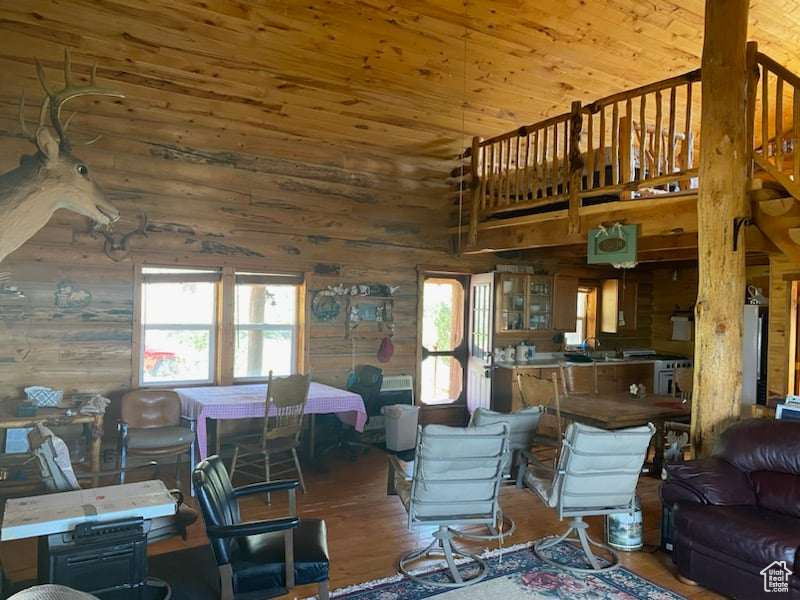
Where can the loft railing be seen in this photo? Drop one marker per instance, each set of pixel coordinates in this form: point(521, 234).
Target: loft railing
point(633, 144)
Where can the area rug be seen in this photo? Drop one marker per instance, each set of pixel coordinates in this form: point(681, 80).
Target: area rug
point(516, 573)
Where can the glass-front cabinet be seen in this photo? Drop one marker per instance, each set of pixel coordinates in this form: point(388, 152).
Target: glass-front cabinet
point(540, 297)
point(524, 302)
point(512, 304)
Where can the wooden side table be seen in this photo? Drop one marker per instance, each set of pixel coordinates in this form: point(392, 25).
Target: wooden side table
point(54, 417)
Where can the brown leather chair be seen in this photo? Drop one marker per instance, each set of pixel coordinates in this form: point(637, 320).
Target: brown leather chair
point(151, 427)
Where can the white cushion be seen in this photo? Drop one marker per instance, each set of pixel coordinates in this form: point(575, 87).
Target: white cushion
point(457, 471)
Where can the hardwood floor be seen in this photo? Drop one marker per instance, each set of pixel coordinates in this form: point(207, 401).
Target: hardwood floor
point(367, 529)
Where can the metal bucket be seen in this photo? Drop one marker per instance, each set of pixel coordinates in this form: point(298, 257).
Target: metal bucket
point(624, 529)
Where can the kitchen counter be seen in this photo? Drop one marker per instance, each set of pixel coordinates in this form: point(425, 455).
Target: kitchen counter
point(547, 363)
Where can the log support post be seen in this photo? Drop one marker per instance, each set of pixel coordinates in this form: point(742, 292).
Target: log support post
point(725, 150)
point(575, 167)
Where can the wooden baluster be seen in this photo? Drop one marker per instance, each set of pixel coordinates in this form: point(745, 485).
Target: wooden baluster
point(476, 192)
point(516, 172)
point(796, 134)
point(671, 132)
point(590, 152)
point(601, 147)
point(490, 200)
point(615, 145)
point(500, 162)
point(535, 164)
point(625, 147)
point(543, 177)
point(554, 163)
point(764, 113)
point(689, 152)
point(779, 124)
point(565, 159)
point(526, 182)
point(687, 147)
point(642, 137)
point(573, 160)
point(508, 172)
point(484, 172)
point(657, 137)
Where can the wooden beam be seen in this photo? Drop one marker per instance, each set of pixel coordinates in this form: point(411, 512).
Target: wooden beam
point(724, 154)
point(655, 217)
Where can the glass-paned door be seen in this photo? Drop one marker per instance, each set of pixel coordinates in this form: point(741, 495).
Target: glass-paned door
point(443, 342)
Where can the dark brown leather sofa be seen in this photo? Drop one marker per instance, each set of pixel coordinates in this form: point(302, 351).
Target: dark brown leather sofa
point(738, 511)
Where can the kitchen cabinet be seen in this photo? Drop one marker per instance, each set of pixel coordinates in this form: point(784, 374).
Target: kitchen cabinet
point(618, 306)
point(565, 303)
point(535, 302)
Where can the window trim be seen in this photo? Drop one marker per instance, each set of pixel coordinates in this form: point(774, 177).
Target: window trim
point(224, 326)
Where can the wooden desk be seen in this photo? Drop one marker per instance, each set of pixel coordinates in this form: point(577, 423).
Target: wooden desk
point(616, 410)
point(53, 417)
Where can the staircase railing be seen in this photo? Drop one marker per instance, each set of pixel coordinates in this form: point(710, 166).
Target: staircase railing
point(776, 109)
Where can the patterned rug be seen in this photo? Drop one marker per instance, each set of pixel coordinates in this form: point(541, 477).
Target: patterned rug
point(516, 573)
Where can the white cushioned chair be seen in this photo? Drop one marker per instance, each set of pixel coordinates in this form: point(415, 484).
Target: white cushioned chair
point(456, 482)
point(522, 427)
point(597, 474)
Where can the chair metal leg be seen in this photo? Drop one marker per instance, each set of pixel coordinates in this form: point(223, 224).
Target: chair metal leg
point(233, 462)
point(580, 527)
point(299, 470)
point(323, 590)
point(266, 475)
point(442, 544)
point(178, 471)
point(505, 526)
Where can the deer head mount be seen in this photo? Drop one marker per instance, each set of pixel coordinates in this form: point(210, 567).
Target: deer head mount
point(52, 178)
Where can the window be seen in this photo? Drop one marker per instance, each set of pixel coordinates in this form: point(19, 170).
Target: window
point(178, 325)
point(204, 326)
point(442, 369)
point(586, 319)
point(266, 327)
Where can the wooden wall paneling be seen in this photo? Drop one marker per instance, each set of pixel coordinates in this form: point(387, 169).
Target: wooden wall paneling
point(779, 335)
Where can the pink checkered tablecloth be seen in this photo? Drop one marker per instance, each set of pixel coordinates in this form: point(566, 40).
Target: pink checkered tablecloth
point(248, 401)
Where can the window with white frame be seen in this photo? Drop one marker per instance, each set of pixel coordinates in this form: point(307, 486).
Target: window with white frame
point(202, 326)
point(266, 325)
point(179, 323)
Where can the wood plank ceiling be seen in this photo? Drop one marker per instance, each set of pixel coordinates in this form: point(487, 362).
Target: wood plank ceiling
point(319, 77)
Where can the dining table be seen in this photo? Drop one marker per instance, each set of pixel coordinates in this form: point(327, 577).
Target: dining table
point(245, 401)
point(617, 410)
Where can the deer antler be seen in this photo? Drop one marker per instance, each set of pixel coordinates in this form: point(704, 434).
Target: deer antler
point(117, 248)
point(55, 100)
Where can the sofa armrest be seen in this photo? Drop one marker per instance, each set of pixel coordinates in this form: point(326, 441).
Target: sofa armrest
point(707, 481)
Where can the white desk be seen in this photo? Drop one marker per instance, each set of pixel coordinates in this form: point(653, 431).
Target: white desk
point(58, 513)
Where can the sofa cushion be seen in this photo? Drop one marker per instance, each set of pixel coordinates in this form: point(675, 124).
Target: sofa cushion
point(258, 560)
point(777, 491)
point(712, 480)
point(750, 533)
point(761, 445)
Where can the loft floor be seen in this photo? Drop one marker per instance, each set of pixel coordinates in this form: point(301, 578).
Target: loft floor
point(367, 529)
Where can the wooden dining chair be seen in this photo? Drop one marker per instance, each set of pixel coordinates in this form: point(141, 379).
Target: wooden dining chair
point(569, 385)
point(678, 432)
point(535, 390)
point(277, 444)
